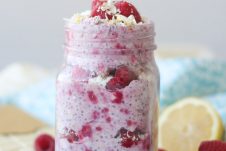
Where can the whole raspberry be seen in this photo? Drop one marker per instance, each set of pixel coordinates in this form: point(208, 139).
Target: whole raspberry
point(44, 142)
point(214, 145)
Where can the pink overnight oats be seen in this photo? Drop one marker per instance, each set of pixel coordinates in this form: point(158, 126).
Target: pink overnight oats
point(107, 91)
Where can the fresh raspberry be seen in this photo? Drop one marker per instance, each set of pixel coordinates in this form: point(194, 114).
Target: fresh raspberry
point(212, 146)
point(127, 138)
point(127, 142)
point(123, 77)
point(113, 84)
point(97, 3)
point(44, 142)
point(127, 9)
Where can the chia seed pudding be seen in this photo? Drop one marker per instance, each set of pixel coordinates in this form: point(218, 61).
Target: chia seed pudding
point(108, 88)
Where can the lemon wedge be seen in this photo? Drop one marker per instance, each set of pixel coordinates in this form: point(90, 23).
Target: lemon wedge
point(184, 125)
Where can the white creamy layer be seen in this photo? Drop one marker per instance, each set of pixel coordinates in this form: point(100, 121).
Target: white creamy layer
point(100, 80)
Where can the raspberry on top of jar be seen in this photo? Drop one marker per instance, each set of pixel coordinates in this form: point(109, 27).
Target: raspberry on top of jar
point(111, 12)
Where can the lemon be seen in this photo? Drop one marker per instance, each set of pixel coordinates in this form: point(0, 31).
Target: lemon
point(184, 125)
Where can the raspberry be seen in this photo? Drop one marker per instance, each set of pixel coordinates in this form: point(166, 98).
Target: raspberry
point(161, 150)
point(86, 130)
point(125, 76)
point(113, 84)
point(44, 142)
point(72, 136)
point(95, 115)
point(212, 146)
point(92, 97)
point(128, 138)
point(127, 9)
point(98, 128)
point(122, 78)
point(118, 97)
point(108, 119)
point(127, 142)
point(105, 110)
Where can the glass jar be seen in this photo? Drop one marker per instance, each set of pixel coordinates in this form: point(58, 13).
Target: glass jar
point(108, 89)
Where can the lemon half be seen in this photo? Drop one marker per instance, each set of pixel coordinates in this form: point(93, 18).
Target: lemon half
point(184, 125)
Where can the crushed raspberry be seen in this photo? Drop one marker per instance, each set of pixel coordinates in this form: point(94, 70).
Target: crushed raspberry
point(80, 72)
point(92, 97)
point(127, 142)
point(126, 111)
point(118, 97)
point(87, 149)
point(128, 138)
point(72, 136)
point(127, 9)
point(98, 128)
point(105, 110)
point(95, 115)
point(120, 46)
point(129, 122)
point(108, 119)
point(44, 142)
point(86, 130)
point(212, 146)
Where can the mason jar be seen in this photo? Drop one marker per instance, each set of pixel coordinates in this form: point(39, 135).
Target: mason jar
point(108, 89)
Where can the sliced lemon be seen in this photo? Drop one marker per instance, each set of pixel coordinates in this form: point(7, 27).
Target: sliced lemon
point(184, 125)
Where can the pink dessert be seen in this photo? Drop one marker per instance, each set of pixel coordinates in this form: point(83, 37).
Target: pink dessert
point(107, 91)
